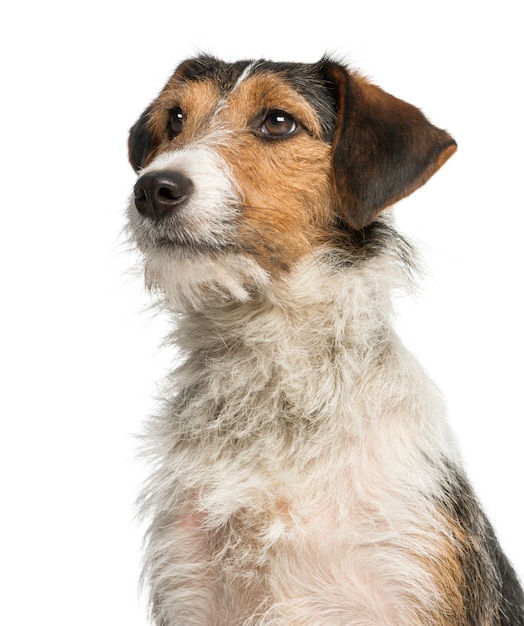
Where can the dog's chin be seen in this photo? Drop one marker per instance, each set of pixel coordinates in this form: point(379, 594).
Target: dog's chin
point(201, 275)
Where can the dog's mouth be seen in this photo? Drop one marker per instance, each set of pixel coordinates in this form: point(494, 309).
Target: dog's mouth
point(173, 245)
point(188, 229)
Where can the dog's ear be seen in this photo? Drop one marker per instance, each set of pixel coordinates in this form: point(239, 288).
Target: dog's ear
point(383, 148)
point(140, 142)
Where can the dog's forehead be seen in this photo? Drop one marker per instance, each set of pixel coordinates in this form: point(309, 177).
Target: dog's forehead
point(303, 77)
point(224, 75)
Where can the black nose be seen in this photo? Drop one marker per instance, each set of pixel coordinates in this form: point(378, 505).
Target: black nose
point(157, 194)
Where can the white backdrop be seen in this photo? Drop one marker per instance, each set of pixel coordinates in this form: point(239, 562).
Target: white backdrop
point(78, 353)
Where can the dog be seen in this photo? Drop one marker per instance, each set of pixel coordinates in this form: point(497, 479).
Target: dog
point(303, 470)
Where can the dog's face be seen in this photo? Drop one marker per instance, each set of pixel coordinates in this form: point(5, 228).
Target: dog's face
point(249, 166)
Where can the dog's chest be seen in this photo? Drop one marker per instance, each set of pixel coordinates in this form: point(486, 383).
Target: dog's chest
point(283, 490)
point(300, 539)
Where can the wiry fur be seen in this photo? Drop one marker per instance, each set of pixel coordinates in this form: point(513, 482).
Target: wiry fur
point(304, 473)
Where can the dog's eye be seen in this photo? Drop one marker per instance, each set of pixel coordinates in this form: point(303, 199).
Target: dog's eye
point(176, 121)
point(278, 124)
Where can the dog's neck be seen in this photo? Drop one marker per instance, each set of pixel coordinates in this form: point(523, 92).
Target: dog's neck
point(314, 309)
point(309, 336)
point(231, 310)
point(299, 363)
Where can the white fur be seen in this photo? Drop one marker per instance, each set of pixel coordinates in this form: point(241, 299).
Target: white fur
point(202, 279)
point(278, 497)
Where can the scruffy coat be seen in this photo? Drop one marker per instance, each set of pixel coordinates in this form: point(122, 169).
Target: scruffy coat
point(303, 470)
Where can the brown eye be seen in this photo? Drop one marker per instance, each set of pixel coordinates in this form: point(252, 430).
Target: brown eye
point(278, 124)
point(176, 121)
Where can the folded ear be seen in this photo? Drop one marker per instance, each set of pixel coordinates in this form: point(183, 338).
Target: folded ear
point(140, 142)
point(383, 149)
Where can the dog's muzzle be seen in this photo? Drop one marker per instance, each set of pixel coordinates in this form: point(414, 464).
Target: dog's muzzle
point(158, 194)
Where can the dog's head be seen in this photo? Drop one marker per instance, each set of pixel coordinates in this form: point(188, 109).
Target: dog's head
point(266, 161)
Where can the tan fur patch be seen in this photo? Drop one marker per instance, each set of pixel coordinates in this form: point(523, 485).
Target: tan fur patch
point(450, 578)
point(286, 192)
point(444, 564)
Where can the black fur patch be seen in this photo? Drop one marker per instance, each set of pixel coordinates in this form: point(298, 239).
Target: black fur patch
point(491, 583)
